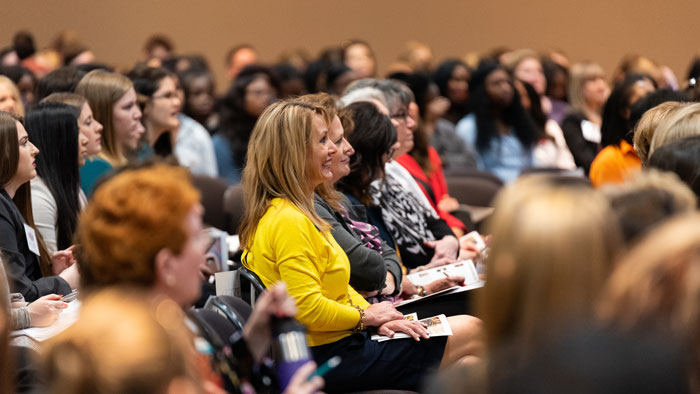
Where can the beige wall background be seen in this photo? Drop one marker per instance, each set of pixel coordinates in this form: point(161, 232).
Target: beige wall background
point(600, 30)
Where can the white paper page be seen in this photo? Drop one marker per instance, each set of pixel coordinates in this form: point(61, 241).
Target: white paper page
point(461, 268)
point(65, 320)
point(224, 282)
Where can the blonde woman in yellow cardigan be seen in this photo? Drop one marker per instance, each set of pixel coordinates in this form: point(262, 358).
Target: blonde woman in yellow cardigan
point(289, 155)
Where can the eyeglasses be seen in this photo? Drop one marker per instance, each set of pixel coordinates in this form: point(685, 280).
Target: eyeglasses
point(401, 116)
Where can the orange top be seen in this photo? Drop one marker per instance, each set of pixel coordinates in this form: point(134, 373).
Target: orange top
point(614, 163)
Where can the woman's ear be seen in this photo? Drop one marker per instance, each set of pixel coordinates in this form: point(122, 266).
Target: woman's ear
point(165, 268)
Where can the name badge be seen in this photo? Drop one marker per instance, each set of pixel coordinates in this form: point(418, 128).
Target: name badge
point(31, 239)
point(591, 131)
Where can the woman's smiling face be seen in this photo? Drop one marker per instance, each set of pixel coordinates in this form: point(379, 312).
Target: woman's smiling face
point(340, 161)
point(320, 154)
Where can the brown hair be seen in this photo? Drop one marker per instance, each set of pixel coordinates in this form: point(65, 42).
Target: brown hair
point(9, 160)
point(124, 342)
point(72, 99)
point(554, 245)
point(647, 199)
point(9, 147)
point(657, 286)
point(129, 220)
point(103, 89)
point(421, 143)
point(276, 166)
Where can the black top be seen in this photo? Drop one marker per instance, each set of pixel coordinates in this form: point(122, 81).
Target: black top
point(410, 257)
point(584, 151)
point(23, 271)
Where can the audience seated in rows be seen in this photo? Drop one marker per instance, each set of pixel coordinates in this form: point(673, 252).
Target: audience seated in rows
point(570, 271)
point(498, 129)
point(160, 248)
point(290, 155)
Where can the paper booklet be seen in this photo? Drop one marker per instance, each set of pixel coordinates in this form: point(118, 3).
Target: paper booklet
point(438, 326)
point(475, 238)
point(65, 319)
point(451, 290)
point(463, 268)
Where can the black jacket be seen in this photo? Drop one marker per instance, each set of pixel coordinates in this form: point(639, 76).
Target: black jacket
point(584, 151)
point(23, 271)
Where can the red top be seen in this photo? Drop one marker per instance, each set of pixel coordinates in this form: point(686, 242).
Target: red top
point(436, 182)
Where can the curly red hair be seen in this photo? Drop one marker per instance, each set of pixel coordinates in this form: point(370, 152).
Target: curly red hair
point(130, 219)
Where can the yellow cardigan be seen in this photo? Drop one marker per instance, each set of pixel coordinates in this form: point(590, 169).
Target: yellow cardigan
point(288, 247)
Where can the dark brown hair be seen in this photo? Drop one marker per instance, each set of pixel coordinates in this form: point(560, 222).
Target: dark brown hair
point(9, 160)
point(372, 137)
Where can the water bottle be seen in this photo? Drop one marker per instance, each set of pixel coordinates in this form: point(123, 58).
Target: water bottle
point(290, 349)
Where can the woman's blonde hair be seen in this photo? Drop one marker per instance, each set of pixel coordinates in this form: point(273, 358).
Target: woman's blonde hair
point(657, 286)
point(330, 103)
point(683, 122)
point(579, 74)
point(646, 127)
point(277, 163)
point(124, 342)
point(19, 107)
point(103, 89)
point(554, 242)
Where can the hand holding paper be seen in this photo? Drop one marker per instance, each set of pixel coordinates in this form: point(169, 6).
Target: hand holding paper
point(412, 328)
point(436, 326)
point(444, 283)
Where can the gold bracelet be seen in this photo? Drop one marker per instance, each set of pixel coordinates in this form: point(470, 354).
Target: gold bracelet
point(361, 326)
point(421, 291)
